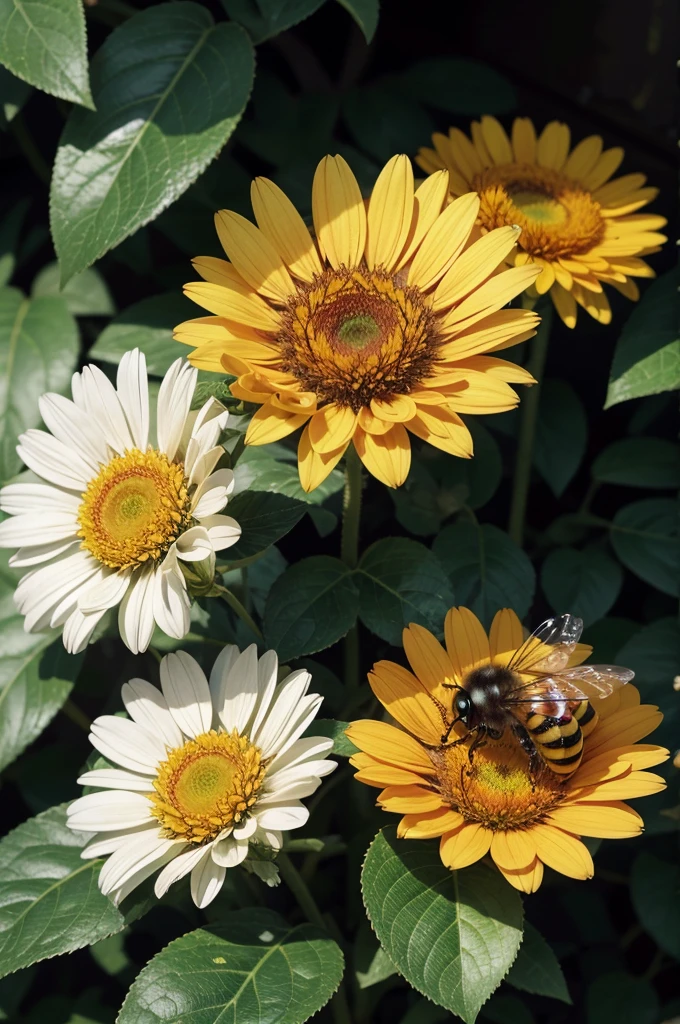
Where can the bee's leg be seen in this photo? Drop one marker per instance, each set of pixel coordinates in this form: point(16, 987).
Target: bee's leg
point(478, 741)
point(529, 747)
point(445, 735)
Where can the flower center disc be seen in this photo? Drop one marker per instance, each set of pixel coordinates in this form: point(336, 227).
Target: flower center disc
point(352, 336)
point(134, 509)
point(539, 207)
point(497, 789)
point(208, 784)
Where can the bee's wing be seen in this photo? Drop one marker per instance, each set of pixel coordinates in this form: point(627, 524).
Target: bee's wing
point(582, 683)
point(549, 647)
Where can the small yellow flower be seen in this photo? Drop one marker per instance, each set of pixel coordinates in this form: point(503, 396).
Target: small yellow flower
point(579, 227)
point(379, 325)
point(494, 804)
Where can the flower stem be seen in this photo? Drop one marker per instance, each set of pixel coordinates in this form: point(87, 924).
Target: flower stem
point(77, 716)
point(349, 552)
point(242, 613)
point(307, 904)
point(527, 430)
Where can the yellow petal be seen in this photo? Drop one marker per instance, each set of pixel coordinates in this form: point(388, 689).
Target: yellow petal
point(271, 424)
point(562, 852)
point(506, 633)
point(595, 304)
point(480, 144)
point(372, 424)
point(430, 662)
point(239, 304)
point(630, 787)
point(513, 850)
point(427, 204)
point(621, 189)
point(524, 140)
point(565, 304)
point(475, 265)
point(526, 879)
point(553, 145)
point(458, 183)
point(253, 255)
point(429, 824)
point(465, 155)
point(637, 755)
point(409, 800)
point(331, 428)
point(218, 272)
point(500, 369)
point(339, 213)
point(583, 157)
point(377, 773)
point(390, 744)
point(491, 296)
point(459, 445)
point(603, 820)
point(314, 467)
point(408, 701)
point(464, 846)
point(283, 226)
point(390, 213)
point(386, 456)
point(484, 395)
point(546, 278)
point(466, 641)
point(444, 241)
point(496, 140)
point(428, 160)
point(398, 409)
point(499, 330)
point(606, 165)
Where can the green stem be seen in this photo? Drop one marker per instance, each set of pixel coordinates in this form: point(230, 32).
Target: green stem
point(237, 607)
point(77, 716)
point(527, 430)
point(307, 904)
point(351, 509)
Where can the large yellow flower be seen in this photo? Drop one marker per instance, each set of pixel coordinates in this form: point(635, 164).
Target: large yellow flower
point(380, 324)
point(579, 227)
point(494, 804)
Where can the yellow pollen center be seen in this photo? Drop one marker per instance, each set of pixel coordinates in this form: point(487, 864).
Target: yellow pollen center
point(538, 207)
point(358, 331)
point(134, 509)
point(207, 785)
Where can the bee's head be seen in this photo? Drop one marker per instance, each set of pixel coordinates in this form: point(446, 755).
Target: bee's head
point(462, 706)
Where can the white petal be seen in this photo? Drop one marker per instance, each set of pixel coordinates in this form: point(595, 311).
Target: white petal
point(212, 495)
point(245, 830)
point(309, 748)
point(219, 673)
point(171, 601)
point(266, 871)
point(306, 711)
point(283, 816)
point(203, 466)
point(282, 711)
point(108, 842)
point(174, 403)
point(127, 744)
point(38, 528)
point(179, 867)
point(209, 423)
point(207, 879)
point(145, 850)
point(268, 837)
point(109, 811)
point(54, 461)
point(136, 878)
point(54, 588)
point(106, 594)
point(146, 706)
point(135, 615)
point(240, 692)
point(194, 545)
point(294, 790)
point(228, 853)
point(27, 557)
point(78, 629)
point(91, 575)
point(75, 428)
point(133, 393)
point(186, 690)
point(116, 778)
point(298, 772)
point(267, 674)
point(222, 530)
point(100, 401)
point(16, 499)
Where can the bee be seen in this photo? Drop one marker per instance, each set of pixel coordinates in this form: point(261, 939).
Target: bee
point(550, 714)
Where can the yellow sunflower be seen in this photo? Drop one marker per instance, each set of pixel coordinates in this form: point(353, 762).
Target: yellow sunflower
point(494, 804)
point(381, 323)
point(578, 226)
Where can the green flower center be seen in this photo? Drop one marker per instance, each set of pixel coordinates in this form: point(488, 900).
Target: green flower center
point(358, 331)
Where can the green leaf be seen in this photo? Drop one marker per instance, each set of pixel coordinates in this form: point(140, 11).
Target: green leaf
point(264, 518)
point(622, 998)
point(537, 969)
point(261, 576)
point(470, 482)
point(10, 231)
point(647, 355)
point(585, 583)
point(263, 19)
point(311, 606)
point(250, 967)
point(274, 468)
point(459, 86)
point(13, 95)
point(561, 434)
point(342, 745)
point(655, 892)
point(645, 538)
point(400, 581)
point(38, 353)
point(365, 13)
point(654, 655)
point(49, 900)
point(452, 934)
point(379, 969)
point(85, 294)
point(43, 42)
point(170, 87)
point(384, 120)
point(504, 1009)
point(639, 462)
point(488, 571)
point(417, 504)
point(148, 325)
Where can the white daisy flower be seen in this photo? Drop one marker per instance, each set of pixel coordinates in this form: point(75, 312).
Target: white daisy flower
point(208, 773)
point(117, 512)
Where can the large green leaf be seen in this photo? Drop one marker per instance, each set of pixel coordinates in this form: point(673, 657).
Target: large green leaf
point(383, 119)
point(622, 998)
point(49, 900)
point(43, 42)
point(342, 745)
point(38, 353)
point(401, 581)
point(459, 86)
point(170, 87)
point(655, 892)
point(264, 518)
point(365, 13)
point(639, 462)
point(585, 583)
point(487, 569)
point(654, 655)
point(13, 94)
point(85, 294)
point(148, 325)
point(251, 967)
point(537, 969)
point(266, 18)
point(274, 468)
point(11, 224)
point(645, 538)
point(311, 606)
point(452, 934)
point(647, 356)
point(561, 434)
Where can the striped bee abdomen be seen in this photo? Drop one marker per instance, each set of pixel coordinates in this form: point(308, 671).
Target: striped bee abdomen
point(559, 741)
point(586, 716)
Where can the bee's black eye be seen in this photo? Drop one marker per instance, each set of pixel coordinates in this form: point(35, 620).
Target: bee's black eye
point(462, 705)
